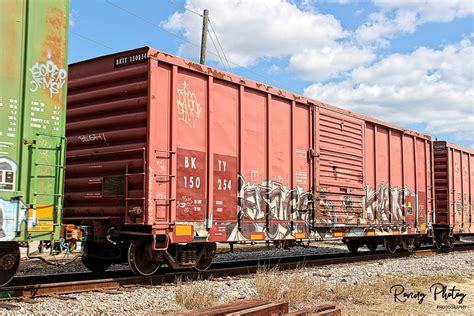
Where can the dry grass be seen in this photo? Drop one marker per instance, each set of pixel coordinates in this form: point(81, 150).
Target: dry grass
point(197, 295)
point(271, 285)
point(303, 290)
point(297, 289)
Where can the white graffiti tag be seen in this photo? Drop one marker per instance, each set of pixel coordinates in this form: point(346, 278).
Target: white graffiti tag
point(189, 109)
point(47, 76)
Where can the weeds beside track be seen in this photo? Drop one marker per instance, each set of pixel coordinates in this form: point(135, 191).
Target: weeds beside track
point(35, 286)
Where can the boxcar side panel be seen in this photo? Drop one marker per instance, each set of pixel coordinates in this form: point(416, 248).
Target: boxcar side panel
point(44, 114)
point(224, 146)
point(191, 148)
point(279, 161)
point(409, 187)
point(456, 191)
point(33, 69)
point(470, 208)
point(160, 153)
point(302, 169)
point(12, 33)
point(466, 192)
point(398, 179)
point(237, 163)
point(253, 167)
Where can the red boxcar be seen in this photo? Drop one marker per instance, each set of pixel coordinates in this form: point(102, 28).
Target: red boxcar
point(454, 185)
point(188, 155)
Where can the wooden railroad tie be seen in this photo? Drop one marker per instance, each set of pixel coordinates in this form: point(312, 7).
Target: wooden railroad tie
point(254, 307)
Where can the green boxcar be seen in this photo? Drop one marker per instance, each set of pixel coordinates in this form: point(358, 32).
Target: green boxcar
point(33, 83)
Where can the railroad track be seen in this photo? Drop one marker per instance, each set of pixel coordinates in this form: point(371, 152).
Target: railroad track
point(35, 286)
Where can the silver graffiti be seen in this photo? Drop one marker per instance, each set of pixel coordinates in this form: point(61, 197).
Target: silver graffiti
point(288, 208)
point(384, 201)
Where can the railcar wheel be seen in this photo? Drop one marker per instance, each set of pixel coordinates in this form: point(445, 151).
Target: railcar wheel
point(9, 262)
point(450, 241)
point(206, 260)
point(390, 245)
point(372, 246)
point(438, 244)
point(140, 257)
point(95, 264)
point(352, 246)
point(203, 264)
point(408, 244)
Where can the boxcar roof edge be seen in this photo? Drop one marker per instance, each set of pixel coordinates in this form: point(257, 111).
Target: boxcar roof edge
point(226, 76)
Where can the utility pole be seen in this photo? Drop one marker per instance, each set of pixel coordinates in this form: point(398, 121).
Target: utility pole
point(205, 19)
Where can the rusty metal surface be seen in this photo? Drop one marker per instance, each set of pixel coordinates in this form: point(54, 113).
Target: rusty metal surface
point(260, 307)
point(454, 184)
point(322, 310)
point(240, 307)
point(268, 309)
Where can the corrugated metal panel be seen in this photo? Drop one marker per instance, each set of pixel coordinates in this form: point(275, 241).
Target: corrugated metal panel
point(341, 176)
point(453, 172)
point(107, 135)
point(441, 183)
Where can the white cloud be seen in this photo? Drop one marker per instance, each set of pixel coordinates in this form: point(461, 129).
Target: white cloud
point(254, 30)
point(402, 16)
point(72, 19)
point(273, 69)
point(433, 87)
point(320, 64)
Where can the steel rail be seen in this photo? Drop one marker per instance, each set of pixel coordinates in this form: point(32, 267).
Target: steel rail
point(35, 286)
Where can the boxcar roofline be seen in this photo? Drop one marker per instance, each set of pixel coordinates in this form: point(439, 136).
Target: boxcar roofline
point(457, 147)
point(229, 77)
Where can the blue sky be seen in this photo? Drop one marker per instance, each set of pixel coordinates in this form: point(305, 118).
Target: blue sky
point(406, 62)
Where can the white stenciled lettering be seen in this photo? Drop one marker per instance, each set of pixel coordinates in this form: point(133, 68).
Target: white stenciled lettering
point(222, 165)
point(192, 182)
point(190, 162)
point(224, 184)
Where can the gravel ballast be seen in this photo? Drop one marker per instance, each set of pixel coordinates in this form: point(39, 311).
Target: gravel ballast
point(162, 299)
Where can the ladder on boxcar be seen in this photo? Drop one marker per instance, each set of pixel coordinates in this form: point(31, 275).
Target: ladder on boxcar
point(167, 178)
point(57, 168)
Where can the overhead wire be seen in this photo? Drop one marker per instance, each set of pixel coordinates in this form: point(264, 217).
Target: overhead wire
point(92, 40)
point(218, 42)
point(153, 24)
point(227, 65)
point(182, 6)
point(230, 62)
point(215, 47)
